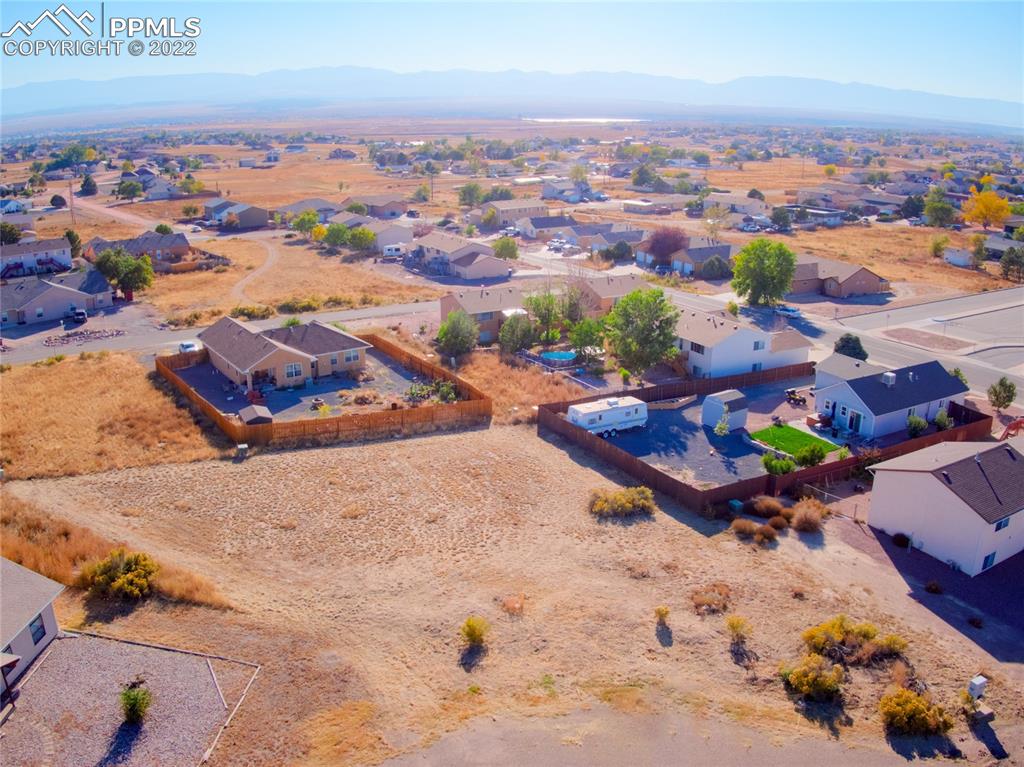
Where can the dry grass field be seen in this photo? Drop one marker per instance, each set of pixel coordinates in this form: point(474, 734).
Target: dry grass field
point(88, 224)
point(516, 389)
point(352, 596)
point(93, 414)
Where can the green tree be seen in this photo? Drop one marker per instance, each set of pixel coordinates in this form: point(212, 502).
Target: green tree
point(916, 426)
point(570, 304)
point(305, 221)
point(979, 254)
point(336, 236)
point(458, 334)
point(470, 195)
point(163, 229)
point(763, 271)
point(128, 190)
point(362, 238)
point(126, 272)
point(506, 248)
point(422, 193)
point(755, 194)
point(191, 185)
point(912, 207)
point(578, 174)
point(641, 329)
point(733, 308)
point(781, 218)
point(517, 333)
point(489, 220)
point(1011, 264)
point(810, 455)
point(9, 233)
point(644, 176)
point(849, 345)
point(190, 210)
point(75, 241)
point(830, 170)
point(937, 247)
point(1002, 393)
point(701, 158)
point(587, 339)
point(544, 309)
point(358, 208)
point(958, 373)
point(937, 209)
point(715, 268)
point(88, 187)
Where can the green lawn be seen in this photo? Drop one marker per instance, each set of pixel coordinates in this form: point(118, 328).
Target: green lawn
point(790, 440)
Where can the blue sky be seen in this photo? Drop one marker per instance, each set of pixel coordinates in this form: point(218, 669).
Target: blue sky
point(964, 49)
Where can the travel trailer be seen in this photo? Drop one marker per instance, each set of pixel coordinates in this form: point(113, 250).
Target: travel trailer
point(608, 417)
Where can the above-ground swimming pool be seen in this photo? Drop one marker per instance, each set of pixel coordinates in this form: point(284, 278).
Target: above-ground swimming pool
point(558, 357)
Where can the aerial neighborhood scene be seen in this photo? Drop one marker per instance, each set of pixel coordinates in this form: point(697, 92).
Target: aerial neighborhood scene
point(404, 384)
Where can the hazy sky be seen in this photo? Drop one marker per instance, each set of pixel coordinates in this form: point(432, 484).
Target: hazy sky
point(964, 49)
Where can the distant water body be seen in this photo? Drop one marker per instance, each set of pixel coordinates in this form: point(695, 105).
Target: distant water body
point(584, 120)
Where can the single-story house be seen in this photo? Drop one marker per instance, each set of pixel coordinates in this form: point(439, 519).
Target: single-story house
point(731, 401)
point(565, 190)
point(544, 227)
point(714, 344)
point(489, 308)
point(27, 620)
point(479, 266)
point(689, 259)
point(390, 239)
point(159, 247)
point(836, 279)
point(437, 250)
point(282, 357)
point(877, 404)
point(960, 502)
point(738, 203)
point(12, 205)
point(224, 212)
point(349, 219)
point(837, 368)
point(1012, 224)
point(631, 237)
point(600, 294)
point(380, 205)
point(35, 257)
point(996, 245)
point(28, 300)
point(324, 209)
point(828, 217)
point(510, 211)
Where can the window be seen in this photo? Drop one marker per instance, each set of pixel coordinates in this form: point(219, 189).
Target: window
point(3, 317)
point(485, 316)
point(989, 560)
point(755, 367)
point(842, 410)
point(758, 345)
point(697, 371)
point(39, 311)
point(352, 355)
point(334, 360)
point(910, 412)
point(37, 628)
point(591, 421)
point(942, 404)
point(1002, 524)
point(293, 370)
point(828, 404)
point(696, 348)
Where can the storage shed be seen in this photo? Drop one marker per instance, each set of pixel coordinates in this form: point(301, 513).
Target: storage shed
point(715, 404)
point(252, 414)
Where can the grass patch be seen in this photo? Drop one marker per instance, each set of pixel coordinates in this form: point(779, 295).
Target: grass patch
point(789, 440)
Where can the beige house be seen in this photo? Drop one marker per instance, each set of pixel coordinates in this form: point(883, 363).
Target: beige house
point(510, 211)
point(437, 251)
point(489, 308)
point(379, 205)
point(28, 300)
point(600, 294)
point(480, 266)
point(389, 237)
point(836, 279)
point(282, 357)
point(35, 256)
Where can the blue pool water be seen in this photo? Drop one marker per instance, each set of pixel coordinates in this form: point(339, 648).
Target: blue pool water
point(559, 356)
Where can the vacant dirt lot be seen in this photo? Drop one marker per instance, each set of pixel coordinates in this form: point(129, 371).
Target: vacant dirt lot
point(92, 414)
point(351, 569)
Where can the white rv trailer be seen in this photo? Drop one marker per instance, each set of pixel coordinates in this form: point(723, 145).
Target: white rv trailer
point(608, 417)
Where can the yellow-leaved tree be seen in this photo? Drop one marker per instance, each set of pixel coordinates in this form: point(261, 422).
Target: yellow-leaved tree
point(986, 208)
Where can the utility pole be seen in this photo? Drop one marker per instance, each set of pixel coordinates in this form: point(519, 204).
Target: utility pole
point(71, 203)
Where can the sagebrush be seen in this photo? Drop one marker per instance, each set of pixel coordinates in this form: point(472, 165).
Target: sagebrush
point(627, 502)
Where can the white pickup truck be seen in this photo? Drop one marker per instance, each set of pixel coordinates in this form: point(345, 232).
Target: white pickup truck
point(608, 417)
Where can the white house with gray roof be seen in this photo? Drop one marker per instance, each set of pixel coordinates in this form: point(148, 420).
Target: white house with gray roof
point(960, 502)
point(27, 621)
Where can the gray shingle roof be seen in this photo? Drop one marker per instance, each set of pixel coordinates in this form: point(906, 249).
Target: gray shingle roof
point(23, 595)
point(841, 366)
point(549, 222)
point(915, 384)
point(315, 338)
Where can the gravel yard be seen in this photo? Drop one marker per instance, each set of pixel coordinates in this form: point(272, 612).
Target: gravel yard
point(69, 712)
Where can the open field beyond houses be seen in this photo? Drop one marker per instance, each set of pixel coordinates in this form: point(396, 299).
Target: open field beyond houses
point(350, 570)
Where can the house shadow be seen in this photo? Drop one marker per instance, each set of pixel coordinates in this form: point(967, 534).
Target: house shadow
point(121, 745)
point(471, 656)
point(994, 597)
point(923, 747)
point(664, 634)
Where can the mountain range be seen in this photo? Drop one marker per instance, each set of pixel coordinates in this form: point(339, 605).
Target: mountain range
point(544, 94)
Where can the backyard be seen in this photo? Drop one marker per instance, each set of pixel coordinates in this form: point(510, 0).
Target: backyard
point(789, 439)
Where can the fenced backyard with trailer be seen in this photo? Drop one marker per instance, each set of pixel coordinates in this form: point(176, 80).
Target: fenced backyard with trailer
point(472, 408)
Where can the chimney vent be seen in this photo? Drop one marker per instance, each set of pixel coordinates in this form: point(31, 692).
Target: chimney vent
point(889, 379)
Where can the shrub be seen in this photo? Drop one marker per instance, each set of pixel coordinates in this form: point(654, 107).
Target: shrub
point(779, 522)
point(121, 574)
point(942, 420)
point(255, 312)
point(813, 677)
point(916, 426)
point(627, 502)
point(901, 540)
point(873, 651)
point(474, 630)
point(810, 455)
point(775, 465)
point(807, 521)
point(765, 534)
point(906, 712)
point(744, 528)
point(762, 506)
point(739, 628)
point(300, 305)
point(661, 614)
point(843, 640)
point(787, 514)
point(135, 701)
point(843, 453)
point(933, 587)
point(711, 599)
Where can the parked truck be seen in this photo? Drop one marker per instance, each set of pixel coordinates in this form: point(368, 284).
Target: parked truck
point(609, 416)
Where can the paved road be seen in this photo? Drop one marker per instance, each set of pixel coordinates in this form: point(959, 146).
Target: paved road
point(948, 307)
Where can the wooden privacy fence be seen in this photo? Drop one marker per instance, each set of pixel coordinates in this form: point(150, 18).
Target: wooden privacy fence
point(473, 409)
point(972, 426)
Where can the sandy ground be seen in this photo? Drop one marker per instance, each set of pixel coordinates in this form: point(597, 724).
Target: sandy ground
point(353, 567)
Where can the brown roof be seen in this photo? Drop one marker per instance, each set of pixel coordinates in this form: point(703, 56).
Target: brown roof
point(488, 299)
point(375, 199)
point(449, 243)
point(515, 204)
point(315, 338)
point(238, 343)
point(612, 286)
point(810, 267)
point(21, 248)
point(706, 328)
point(788, 340)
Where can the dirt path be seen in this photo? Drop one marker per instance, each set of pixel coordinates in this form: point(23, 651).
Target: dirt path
point(117, 212)
point(238, 289)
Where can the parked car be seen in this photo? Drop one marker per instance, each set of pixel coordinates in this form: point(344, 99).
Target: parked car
point(787, 311)
point(411, 213)
point(196, 228)
point(600, 197)
point(190, 346)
